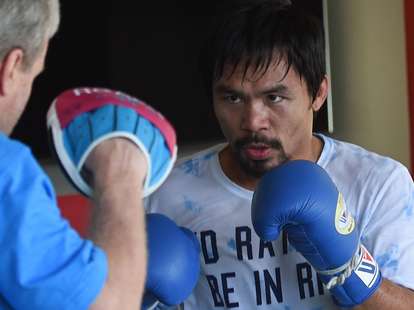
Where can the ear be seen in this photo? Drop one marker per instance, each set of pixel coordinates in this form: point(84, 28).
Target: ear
point(321, 95)
point(10, 68)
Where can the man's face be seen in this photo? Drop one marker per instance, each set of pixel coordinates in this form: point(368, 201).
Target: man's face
point(21, 90)
point(266, 118)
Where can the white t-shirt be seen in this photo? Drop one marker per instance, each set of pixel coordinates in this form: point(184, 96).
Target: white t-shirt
point(240, 271)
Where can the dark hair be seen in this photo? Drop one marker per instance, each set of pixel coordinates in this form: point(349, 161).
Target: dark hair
point(258, 33)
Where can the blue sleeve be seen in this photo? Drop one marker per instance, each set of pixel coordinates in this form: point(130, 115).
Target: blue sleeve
point(44, 264)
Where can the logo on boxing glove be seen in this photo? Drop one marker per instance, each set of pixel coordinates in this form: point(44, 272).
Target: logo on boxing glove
point(344, 222)
point(367, 269)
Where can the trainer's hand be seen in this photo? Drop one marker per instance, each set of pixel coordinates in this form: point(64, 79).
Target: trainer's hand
point(82, 118)
point(173, 262)
point(300, 197)
point(116, 160)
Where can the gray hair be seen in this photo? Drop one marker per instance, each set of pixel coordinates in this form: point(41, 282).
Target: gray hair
point(27, 24)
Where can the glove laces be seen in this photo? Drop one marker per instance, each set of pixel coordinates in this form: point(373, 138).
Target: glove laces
point(344, 270)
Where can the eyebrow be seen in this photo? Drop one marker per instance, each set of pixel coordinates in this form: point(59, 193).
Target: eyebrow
point(223, 89)
point(280, 89)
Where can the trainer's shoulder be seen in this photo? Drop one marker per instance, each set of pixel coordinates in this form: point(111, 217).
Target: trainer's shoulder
point(14, 153)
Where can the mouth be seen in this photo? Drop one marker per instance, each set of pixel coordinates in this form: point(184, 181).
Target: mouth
point(257, 151)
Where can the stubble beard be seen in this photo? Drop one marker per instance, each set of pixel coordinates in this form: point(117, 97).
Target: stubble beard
point(257, 168)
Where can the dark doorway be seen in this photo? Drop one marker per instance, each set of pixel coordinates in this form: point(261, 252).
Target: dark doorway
point(148, 49)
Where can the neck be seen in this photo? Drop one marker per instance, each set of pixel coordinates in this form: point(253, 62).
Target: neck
point(234, 171)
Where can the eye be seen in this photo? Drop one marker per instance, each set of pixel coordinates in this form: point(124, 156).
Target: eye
point(274, 98)
point(232, 98)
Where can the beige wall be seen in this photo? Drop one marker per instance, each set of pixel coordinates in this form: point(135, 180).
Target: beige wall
point(368, 68)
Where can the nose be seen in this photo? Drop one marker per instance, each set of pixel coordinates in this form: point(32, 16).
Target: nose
point(255, 117)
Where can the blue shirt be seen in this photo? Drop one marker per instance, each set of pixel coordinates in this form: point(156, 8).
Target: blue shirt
point(44, 263)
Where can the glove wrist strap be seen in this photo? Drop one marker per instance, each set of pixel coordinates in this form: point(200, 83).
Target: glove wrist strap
point(344, 271)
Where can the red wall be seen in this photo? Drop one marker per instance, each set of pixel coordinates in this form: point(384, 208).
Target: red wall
point(409, 24)
point(76, 209)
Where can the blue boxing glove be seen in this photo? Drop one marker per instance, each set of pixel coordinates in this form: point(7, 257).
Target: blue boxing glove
point(173, 262)
point(300, 198)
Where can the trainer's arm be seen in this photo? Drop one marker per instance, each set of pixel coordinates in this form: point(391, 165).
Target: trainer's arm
point(389, 296)
point(118, 224)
